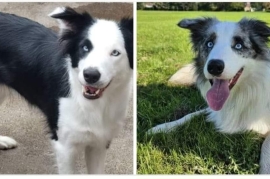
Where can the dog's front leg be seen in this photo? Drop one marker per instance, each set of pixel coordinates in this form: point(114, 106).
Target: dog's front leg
point(265, 156)
point(95, 159)
point(169, 126)
point(65, 156)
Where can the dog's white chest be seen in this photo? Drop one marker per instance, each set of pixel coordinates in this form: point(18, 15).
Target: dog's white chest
point(89, 122)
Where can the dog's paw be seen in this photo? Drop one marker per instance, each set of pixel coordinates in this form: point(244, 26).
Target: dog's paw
point(162, 128)
point(7, 143)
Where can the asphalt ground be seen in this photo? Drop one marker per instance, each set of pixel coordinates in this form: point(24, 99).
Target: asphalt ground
point(27, 124)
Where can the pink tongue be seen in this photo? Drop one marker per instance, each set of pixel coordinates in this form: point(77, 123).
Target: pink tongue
point(218, 94)
point(92, 89)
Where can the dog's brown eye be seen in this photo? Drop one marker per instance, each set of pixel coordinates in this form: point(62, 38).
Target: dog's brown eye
point(115, 53)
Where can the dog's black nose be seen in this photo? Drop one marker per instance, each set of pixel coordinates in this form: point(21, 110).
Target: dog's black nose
point(215, 67)
point(91, 75)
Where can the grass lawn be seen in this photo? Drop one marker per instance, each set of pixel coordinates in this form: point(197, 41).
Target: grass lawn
point(196, 147)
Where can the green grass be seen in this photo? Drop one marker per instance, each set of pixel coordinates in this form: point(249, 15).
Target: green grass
point(196, 147)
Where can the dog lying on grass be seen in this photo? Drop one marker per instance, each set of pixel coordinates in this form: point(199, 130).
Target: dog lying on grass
point(232, 72)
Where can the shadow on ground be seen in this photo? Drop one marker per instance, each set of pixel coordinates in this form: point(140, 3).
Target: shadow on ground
point(197, 146)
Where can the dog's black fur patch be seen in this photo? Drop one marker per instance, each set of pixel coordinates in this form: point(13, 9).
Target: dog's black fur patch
point(126, 27)
point(198, 27)
point(31, 63)
point(258, 33)
point(74, 36)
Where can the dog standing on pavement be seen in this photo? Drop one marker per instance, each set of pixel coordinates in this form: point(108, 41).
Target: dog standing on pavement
point(80, 80)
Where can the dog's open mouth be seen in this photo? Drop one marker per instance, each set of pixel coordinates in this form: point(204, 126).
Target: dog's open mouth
point(220, 90)
point(90, 92)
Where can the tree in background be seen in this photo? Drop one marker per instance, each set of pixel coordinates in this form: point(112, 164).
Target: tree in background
point(235, 6)
point(266, 6)
point(257, 5)
point(140, 6)
point(203, 6)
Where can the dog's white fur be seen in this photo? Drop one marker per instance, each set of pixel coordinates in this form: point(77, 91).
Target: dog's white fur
point(96, 124)
point(90, 125)
point(248, 105)
point(7, 142)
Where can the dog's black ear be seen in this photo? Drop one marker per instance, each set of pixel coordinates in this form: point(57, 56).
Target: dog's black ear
point(70, 20)
point(196, 24)
point(255, 27)
point(198, 27)
point(127, 23)
point(126, 27)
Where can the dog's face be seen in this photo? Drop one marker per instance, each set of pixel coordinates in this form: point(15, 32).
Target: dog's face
point(100, 50)
point(225, 51)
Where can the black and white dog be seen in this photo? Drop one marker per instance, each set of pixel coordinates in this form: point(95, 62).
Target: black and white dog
point(80, 80)
point(232, 72)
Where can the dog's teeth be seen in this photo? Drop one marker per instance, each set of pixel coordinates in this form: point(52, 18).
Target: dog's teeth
point(97, 91)
point(89, 94)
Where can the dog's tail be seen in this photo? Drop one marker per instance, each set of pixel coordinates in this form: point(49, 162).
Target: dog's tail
point(184, 76)
point(169, 126)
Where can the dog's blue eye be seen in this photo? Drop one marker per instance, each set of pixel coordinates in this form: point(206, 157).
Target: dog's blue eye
point(115, 53)
point(238, 46)
point(210, 44)
point(85, 48)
